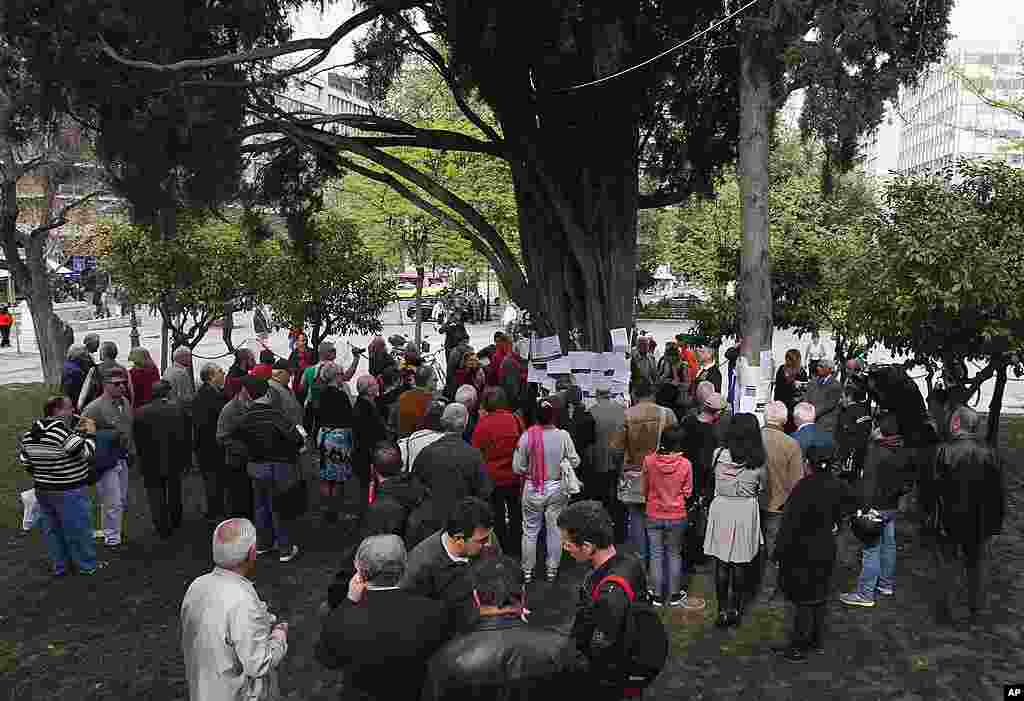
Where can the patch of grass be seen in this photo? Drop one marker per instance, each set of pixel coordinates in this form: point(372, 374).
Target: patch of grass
point(686, 626)
point(22, 403)
point(8, 656)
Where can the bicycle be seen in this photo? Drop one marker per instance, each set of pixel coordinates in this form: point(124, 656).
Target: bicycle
point(440, 368)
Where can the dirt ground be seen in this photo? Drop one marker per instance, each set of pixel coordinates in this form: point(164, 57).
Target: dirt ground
point(116, 635)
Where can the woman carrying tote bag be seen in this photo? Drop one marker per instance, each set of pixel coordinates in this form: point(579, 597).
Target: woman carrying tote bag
point(539, 455)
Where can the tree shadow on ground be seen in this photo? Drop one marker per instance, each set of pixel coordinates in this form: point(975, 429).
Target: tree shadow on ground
point(116, 635)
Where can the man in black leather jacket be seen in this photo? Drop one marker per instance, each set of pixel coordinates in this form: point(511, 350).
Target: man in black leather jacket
point(588, 536)
point(502, 658)
point(964, 501)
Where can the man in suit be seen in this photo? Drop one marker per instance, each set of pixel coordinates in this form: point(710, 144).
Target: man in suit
point(808, 434)
point(206, 408)
point(826, 394)
point(380, 635)
point(163, 441)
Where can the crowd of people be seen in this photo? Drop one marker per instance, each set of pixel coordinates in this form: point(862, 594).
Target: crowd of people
point(460, 499)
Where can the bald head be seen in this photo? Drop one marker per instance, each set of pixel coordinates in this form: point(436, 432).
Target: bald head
point(364, 384)
point(775, 414)
point(704, 390)
point(965, 420)
point(234, 542)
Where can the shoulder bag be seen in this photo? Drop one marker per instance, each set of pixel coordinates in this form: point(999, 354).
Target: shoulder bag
point(570, 481)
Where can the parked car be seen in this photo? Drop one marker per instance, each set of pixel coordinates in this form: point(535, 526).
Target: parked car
point(427, 305)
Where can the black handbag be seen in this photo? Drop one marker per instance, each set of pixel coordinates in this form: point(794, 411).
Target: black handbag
point(867, 526)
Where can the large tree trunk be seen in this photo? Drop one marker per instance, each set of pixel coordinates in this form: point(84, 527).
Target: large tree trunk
point(577, 203)
point(755, 310)
point(53, 336)
point(995, 406)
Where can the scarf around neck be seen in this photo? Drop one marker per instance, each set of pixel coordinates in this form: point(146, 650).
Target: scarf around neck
point(535, 450)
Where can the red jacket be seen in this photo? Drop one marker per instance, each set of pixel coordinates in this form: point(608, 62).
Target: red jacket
point(669, 482)
point(496, 436)
point(263, 370)
point(6, 319)
point(143, 380)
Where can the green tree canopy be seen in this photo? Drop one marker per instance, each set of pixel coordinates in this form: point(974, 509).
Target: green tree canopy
point(190, 279)
point(945, 286)
point(335, 291)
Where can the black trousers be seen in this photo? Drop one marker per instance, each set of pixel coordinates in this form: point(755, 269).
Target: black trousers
point(603, 487)
point(953, 560)
point(215, 486)
point(237, 488)
point(510, 531)
point(732, 584)
point(164, 495)
point(809, 625)
point(5, 336)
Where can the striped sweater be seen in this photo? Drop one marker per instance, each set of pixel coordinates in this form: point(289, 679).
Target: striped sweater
point(57, 458)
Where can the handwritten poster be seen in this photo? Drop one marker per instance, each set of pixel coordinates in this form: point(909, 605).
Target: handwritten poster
point(544, 349)
point(560, 366)
point(620, 340)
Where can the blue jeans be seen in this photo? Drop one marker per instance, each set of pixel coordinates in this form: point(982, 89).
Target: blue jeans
point(636, 532)
point(67, 525)
point(270, 528)
point(666, 542)
point(879, 568)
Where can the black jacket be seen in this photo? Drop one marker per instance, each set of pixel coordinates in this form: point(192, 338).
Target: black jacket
point(431, 573)
point(712, 374)
point(163, 439)
point(888, 473)
point(805, 547)
point(368, 430)
point(268, 435)
point(599, 625)
point(962, 492)
point(701, 442)
point(383, 643)
point(335, 408)
point(503, 659)
point(452, 470)
point(395, 501)
point(206, 407)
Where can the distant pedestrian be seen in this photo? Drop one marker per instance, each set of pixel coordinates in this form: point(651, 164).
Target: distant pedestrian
point(6, 323)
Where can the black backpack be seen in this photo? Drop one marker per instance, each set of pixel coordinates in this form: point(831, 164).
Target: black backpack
point(645, 640)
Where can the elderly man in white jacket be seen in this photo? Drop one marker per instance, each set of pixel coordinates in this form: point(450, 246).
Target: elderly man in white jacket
point(231, 643)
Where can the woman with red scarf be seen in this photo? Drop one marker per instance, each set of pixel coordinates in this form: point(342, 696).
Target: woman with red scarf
point(300, 359)
point(539, 455)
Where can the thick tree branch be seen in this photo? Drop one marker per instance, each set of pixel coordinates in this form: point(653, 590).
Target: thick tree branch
point(663, 198)
point(322, 45)
point(405, 192)
point(402, 133)
point(435, 58)
point(62, 216)
point(430, 186)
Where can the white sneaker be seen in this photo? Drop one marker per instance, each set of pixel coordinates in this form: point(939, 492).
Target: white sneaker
point(289, 555)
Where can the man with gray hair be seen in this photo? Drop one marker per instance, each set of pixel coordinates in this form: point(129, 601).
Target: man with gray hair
point(807, 433)
point(451, 468)
point(964, 500)
point(825, 393)
point(466, 396)
point(784, 469)
point(179, 374)
point(232, 644)
point(380, 635)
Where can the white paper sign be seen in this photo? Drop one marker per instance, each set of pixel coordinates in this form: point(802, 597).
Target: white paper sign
point(535, 374)
point(620, 340)
point(549, 384)
point(581, 360)
point(559, 366)
point(617, 363)
point(748, 400)
point(543, 349)
point(583, 380)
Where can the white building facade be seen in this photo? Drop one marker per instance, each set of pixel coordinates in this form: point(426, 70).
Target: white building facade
point(941, 120)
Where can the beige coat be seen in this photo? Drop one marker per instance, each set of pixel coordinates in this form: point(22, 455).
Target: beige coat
point(226, 638)
point(784, 466)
